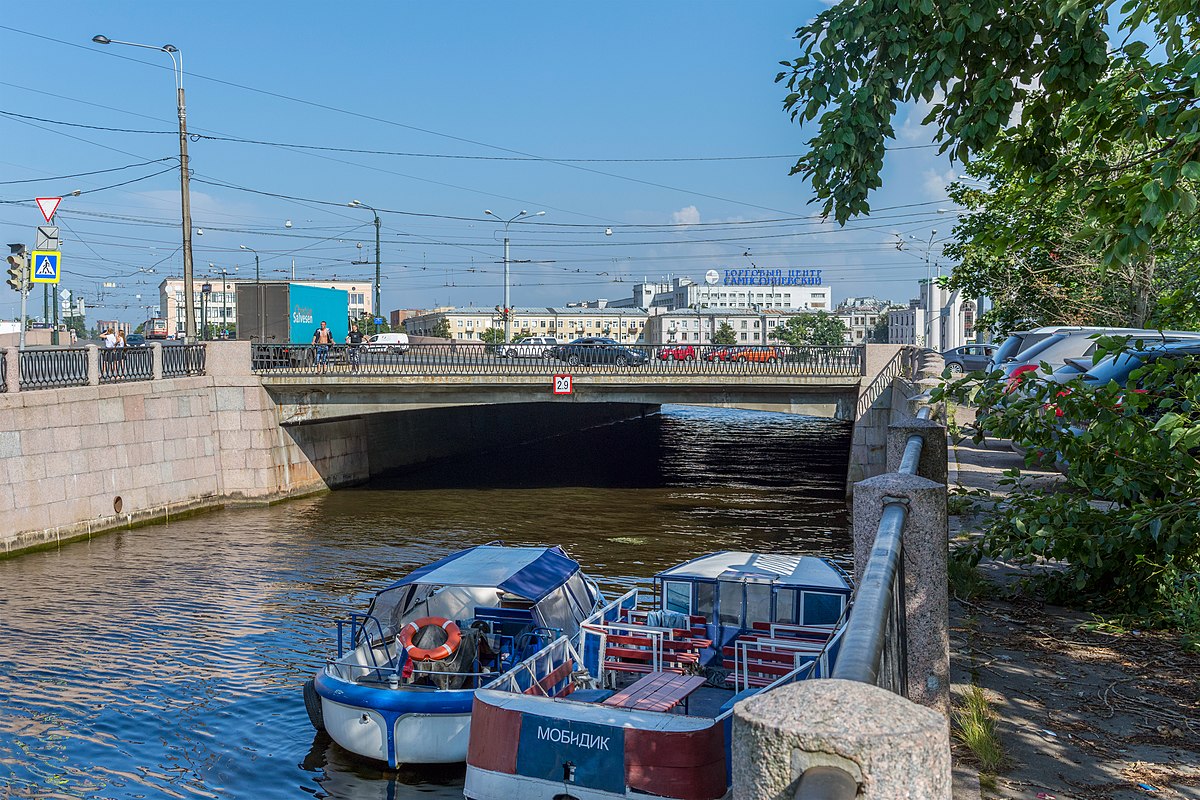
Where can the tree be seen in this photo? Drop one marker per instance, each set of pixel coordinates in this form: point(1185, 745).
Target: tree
point(368, 327)
point(1112, 127)
point(725, 335)
point(819, 328)
point(492, 336)
point(879, 333)
point(441, 329)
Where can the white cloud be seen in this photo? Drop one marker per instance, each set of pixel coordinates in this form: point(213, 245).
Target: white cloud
point(686, 216)
point(934, 182)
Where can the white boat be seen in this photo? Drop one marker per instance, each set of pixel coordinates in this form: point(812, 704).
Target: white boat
point(597, 718)
point(400, 690)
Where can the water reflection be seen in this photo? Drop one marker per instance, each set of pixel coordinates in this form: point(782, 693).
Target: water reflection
point(166, 661)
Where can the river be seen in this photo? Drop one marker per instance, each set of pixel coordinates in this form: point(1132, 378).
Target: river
point(166, 661)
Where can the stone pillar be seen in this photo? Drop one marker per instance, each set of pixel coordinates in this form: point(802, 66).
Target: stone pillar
point(227, 358)
point(894, 749)
point(933, 453)
point(12, 367)
point(926, 590)
point(156, 355)
point(93, 359)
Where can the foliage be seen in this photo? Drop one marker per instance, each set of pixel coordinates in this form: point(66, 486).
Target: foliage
point(819, 328)
point(368, 327)
point(879, 333)
point(441, 329)
point(975, 727)
point(725, 334)
point(1125, 521)
point(1110, 126)
point(491, 335)
point(140, 328)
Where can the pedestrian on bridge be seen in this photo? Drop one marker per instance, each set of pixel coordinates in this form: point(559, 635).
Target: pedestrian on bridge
point(354, 340)
point(323, 338)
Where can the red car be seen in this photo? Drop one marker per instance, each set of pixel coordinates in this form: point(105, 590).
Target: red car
point(677, 352)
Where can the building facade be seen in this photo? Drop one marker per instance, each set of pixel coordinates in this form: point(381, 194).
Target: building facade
point(939, 319)
point(697, 326)
point(626, 325)
point(805, 292)
point(218, 306)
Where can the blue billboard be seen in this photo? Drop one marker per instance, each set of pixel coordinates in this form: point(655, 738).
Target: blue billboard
point(309, 306)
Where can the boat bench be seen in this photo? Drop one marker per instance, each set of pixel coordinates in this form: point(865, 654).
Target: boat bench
point(626, 653)
point(559, 677)
point(783, 630)
point(766, 658)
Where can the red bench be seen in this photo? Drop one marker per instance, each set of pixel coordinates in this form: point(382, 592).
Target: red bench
point(658, 691)
point(556, 676)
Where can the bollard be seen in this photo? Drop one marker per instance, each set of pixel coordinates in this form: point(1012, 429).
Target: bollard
point(12, 369)
point(893, 748)
point(93, 362)
point(926, 592)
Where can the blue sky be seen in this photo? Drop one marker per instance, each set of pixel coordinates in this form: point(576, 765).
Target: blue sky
point(571, 109)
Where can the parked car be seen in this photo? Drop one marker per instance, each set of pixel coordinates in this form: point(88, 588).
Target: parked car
point(969, 357)
point(529, 347)
point(386, 343)
point(677, 352)
point(135, 340)
point(598, 350)
point(721, 353)
point(1018, 341)
point(1078, 344)
point(762, 355)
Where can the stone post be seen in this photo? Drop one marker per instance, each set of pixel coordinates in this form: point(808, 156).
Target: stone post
point(926, 592)
point(156, 355)
point(228, 358)
point(93, 359)
point(933, 454)
point(893, 748)
point(12, 357)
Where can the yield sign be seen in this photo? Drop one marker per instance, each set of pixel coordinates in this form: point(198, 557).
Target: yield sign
point(48, 205)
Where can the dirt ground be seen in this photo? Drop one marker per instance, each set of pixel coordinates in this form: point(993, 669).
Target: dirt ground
point(1083, 713)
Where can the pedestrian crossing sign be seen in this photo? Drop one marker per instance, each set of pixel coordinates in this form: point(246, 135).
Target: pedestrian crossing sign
point(46, 266)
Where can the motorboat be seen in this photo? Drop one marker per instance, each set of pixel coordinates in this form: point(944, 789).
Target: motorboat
point(598, 717)
point(401, 687)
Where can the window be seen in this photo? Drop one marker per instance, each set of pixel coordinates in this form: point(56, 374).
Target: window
point(705, 594)
point(821, 608)
point(743, 328)
point(677, 596)
point(459, 323)
point(785, 605)
point(758, 602)
point(743, 336)
point(730, 602)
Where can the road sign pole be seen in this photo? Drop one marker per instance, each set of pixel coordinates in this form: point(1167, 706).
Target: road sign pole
point(24, 300)
point(54, 330)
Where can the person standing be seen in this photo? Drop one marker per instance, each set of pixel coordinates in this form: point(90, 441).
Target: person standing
point(354, 340)
point(323, 338)
point(110, 339)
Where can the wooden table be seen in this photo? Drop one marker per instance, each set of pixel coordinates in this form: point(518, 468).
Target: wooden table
point(658, 691)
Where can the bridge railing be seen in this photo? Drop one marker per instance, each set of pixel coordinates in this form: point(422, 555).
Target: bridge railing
point(887, 701)
point(517, 359)
point(57, 367)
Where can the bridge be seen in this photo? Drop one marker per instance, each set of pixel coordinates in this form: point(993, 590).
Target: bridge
point(814, 381)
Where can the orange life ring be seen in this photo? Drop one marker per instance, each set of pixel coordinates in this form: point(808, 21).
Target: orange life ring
point(444, 650)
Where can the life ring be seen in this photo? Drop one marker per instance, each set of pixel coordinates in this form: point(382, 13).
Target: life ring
point(444, 650)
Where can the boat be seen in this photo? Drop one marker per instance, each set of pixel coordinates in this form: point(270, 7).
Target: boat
point(597, 717)
point(401, 688)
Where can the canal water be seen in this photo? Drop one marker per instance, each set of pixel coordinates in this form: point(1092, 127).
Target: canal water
point(167, 661)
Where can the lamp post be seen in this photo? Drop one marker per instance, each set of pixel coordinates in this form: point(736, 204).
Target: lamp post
point(360, 204)
point(257, 292)
point(507, 307)
point(189, 299)
point(205, 291)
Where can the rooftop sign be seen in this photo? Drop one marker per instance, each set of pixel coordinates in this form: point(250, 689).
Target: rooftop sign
point(772, 277)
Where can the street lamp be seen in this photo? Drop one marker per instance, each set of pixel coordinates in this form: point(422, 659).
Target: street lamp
point(205, 291)
point(257, 291)
point(224, 297)
point(360, 204)
point(189, 300)
point(507, 307)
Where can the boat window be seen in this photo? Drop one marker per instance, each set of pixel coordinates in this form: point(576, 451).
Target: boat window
point(705, 595)
point(677, 597)
point(758, 603)
point(730, 602)
point(821, 608)
point(785, 605)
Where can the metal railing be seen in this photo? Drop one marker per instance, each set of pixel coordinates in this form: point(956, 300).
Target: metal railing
point(182, 361)
point(480, 359)
point(122, 364)
point(51, 368)
point(874, 647)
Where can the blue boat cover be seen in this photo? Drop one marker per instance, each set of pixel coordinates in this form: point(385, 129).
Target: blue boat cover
point(528, 572)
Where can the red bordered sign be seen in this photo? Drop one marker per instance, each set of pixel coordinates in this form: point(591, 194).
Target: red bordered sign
point(562, 384)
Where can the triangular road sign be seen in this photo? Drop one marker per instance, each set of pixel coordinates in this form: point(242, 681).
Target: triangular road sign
point(48, 205)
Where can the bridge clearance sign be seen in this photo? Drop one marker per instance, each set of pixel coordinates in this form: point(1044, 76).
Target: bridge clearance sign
point(562, 384)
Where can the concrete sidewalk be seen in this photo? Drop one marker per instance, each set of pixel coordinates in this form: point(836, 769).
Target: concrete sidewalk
point(1083, 713)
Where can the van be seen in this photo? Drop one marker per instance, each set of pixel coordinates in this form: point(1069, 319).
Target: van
point(386, 343)
point(529, 347)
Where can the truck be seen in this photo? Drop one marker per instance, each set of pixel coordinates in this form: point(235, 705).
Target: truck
point(284, 313)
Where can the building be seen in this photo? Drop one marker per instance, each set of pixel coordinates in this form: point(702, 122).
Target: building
point(939, 319)
point(218, 306)
point(760, 289)
point(468, 324)
point(697, 326)
point(860, 315)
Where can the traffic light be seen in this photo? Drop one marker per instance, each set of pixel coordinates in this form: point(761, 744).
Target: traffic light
point(18, 268)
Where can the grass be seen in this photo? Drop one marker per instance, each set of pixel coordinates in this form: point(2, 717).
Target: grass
point(966, 582)
point(975, 728)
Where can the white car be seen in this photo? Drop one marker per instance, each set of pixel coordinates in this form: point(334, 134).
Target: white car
point(386, 343)
point(529, 347)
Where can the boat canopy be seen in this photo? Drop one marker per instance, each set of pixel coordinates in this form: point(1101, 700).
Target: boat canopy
point(528, 572)
point(780, 570)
